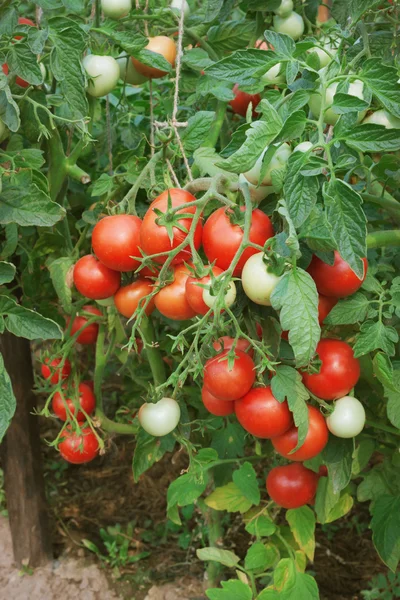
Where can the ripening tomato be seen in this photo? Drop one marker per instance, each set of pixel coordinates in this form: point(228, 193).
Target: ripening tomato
point(21, 82)
point(155, 238)
point(347, 419)
point(160, 44)
point(103, 74)
point(222, 238)
point(210, 298)
point(217, 407)
point(194, 291)
point(229, 383)
point(129, 297)
point(52, 371)
point(258, 282)
point(90, 333)
point(323, 471)
point(160, 418)
point(78, 448)
point(86, 401)
point(116, 240)
point(338, 280)
point(292, 486)
point(284, 9)
point(171, 300)
point(262, 415)
point(292, 25)
point(339, 372)
point(226, 342)
point(242, 100)
point(94, 280)
point(315, 442)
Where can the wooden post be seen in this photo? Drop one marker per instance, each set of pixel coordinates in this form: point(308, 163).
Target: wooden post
point(22, 462)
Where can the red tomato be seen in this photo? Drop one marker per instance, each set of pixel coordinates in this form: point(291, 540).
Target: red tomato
point(90, 384)
point(194, 293)
point(78, 449)
point(217, 407)
point(50, 371)
point(292, 486)
point(148, 272)
point(129, 297)
point(86, 400)
point(337, 280)
point(315, 442)
point(155, 238)
point(225, 343)
point(94, 280)
point(260, 413)
point(221, 239)
point(90, 333)
point(242, 100)
point(229, 384)
point(171, 300)
point(339, 372)
point(325, 305)
point(323, 471)
point(21, 82)
point(116, 240)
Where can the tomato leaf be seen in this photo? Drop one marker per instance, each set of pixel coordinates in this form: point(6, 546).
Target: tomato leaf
point(382, 79)
point(338, 457)
point(393, 397)
point(7, 272)
point(257, 558)
point(300, 191)
point(291, 584)
point(230, 498)
point(259, 525)
point(148, 451)
point(302, 525)
point(224, 557)
point(230, 35)
point(246, 480)
point(287, 385)
point(349, 311)
point(385, 527)
point(231, 590)
point(376, 336)
point(197, 130)
point(184, 491)
point(8, 402)
point(59, 269)
point(242, 66)
point(27, 323)
point(341, 508)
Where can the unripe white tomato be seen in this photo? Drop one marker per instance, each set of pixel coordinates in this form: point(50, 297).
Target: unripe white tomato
point(284, 9)
point(347, 419)
point(116, 9)
point(177, 5)
point(324, 58)
point(272, 76)
point(303, 147)
point(292, 25)
point(257, 193)
point(160, 418)
point(277, 163)
point(103, 72)
point(356, 88)
point(127, 71)
point(229, 298)
point(382, 117)
point(258, 283)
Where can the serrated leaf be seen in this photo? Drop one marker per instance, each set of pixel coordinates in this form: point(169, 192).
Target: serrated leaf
point(338, 457)
point(293, 127)
point(349, 311)
point(256, 558)
point(242, 66)
point(302, 525)
point(8, 402)
point(259, 525)
point(300, 191)
point(228, 497)
point(27, 323)
point(28, 206)
point(383, 371)
point(59, 269)
point(376, 336)
point(287, 385)
point(197, 130)
point(283, 44)
point(7, 272)
point(368, 137)
point(382, 79)
point(231, 35)
point(341, 508)
point(231, 590)
point(385, 525)
point(318, 232)
point(393, 403)
point(184, 491)
point(224, 557)
point(343, 103)
point(246, 480)
point(148, 451)
point(23, 62)
point(206, 159)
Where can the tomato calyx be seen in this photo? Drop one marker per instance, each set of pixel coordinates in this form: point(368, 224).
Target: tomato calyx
point(171, 218)
point(236, 215)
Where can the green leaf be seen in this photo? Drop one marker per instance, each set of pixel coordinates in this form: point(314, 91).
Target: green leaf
point(242, 66)
point(212, 10)
point(291, 584)
point(231, 590)
point(207, 159)
point(246, 480)
point(196, 58)
point(348, 222)
point(184, 491)
point(260, 525)
point(27, 323)
point(393, 403)
point(153, 59)
point(197, 130)
point(283, 44)
point(369, 137)
point(8, 402)
point(383, 371)
point(382, 479)
point(7, 272)
point(148, 451)
point(230, 35)
point(382, 79)
point(297, 298)
point(343, 103)
point(362, 455)
point(349, 311)
point(224, 557)
point(28, 206)
point(385, 527)
point(338, 457)
point(300, 192)
point(287, 385)
point(293, 127)
point(302, 525)
point(228, 497)
point(23, 62)
point(317, 231)
point(376, 336)
point(229, 442)
point(257, 558)
point(326, 499)
point(59, 269)
point(341, 508)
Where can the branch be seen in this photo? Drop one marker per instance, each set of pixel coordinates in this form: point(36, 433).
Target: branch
point(382, 239)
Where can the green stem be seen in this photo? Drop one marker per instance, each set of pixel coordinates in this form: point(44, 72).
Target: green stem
point(381, 239)
point(97, 13)
point(129, 200)
point(389, 204)
point(215, 128)
point(57, 166)
point(214, 529)
point(77, 173)
point(382, 427)
point(202, 43)
point(153, 353)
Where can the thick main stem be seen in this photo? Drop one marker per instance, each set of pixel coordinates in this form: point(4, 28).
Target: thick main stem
point(153, 353)
point(381, 239)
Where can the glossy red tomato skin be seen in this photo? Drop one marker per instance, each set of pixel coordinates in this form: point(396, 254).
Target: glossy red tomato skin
point(86, 400)
point(242, 100)
point(94, 280)
point(226, 342)
point(194, 293)
point(130, 297)
point(50, 371)
point(339, 372)
point(171, 300)
point(116, 240)
point(228, 384)
point(292, 486)
point(221, 239)
point(21, 82)
point(338, 280)
point(78, 449)
point(90, 333)
point(215, 406)
point(154, 238)
point(260, 413)
point(315, 442)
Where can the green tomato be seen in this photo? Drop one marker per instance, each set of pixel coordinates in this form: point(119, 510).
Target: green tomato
point(347, 419)
point(292, 25)
point(303, 147)
point(229, 299)
point(127, 71)
point(273, 76)
point(284, 9)
point(160, 418)
point(116, 9)
point(103, 72)
point(258, 283)
point(356, 88)
point(257, 192)
point(177, 6)
point(382, 117)
point(324, 58)
point(277, 163)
